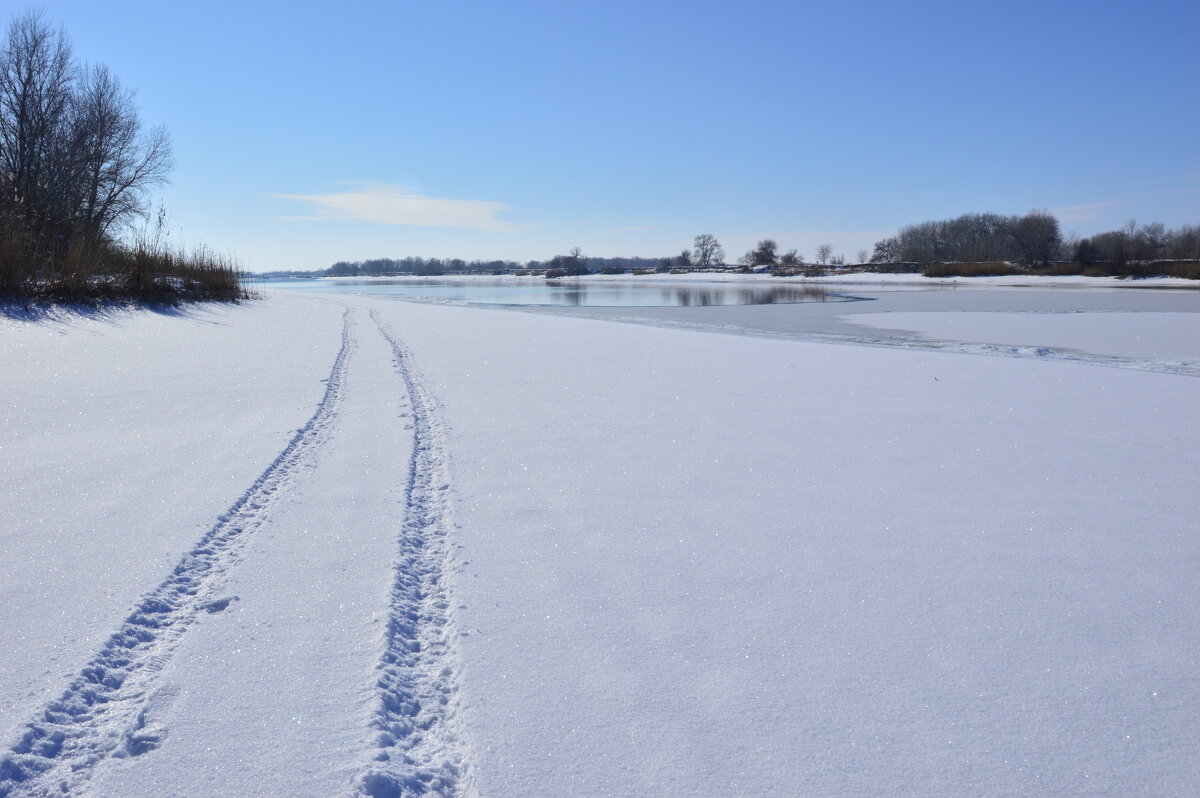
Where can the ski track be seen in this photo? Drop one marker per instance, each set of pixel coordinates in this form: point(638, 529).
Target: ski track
point(102, 712)
point(418, 736)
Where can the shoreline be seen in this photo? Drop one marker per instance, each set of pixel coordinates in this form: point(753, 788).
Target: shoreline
point(848, 278)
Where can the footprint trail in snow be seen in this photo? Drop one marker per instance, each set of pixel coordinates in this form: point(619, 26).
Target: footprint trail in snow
point(119, 707)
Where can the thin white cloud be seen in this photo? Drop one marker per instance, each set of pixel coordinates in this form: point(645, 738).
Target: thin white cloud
point(1162, 181)
point(1088, 212)
point(1094, 211)
point(384, 203)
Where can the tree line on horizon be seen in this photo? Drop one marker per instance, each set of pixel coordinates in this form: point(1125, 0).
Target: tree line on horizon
point(1034, 239)
point(970, 244)
point(76, 171)
point(432, 267)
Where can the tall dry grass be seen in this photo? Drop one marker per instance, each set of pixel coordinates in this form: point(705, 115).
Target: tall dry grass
point(147, 269)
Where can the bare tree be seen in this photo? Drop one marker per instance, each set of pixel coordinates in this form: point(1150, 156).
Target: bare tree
point(1151, 241)
point(1038, 237)
point(824, 254)
point(75, 165)
point(117, 163)
point(972, 238)
point(862, 256)
point(35, 99)
point(684, 259)
point(790, 258)
point(1184, 242)
point(764, 253)
point(708, 251)
point(886, 251)
point(74, 161)
point(574, 262)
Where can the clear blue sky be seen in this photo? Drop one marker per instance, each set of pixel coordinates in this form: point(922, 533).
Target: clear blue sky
point(307, 133)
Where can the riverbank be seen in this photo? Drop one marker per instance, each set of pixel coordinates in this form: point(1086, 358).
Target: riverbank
point(841, 278)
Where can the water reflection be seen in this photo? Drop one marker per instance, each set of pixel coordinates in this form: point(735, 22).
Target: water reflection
point(686, 296)
point(565, 293)
point(575, 293)
point(610, 294)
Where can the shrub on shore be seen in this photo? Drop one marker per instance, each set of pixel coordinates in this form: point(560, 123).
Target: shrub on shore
point(76, 171)
point(1186, 269)
point(145, 270)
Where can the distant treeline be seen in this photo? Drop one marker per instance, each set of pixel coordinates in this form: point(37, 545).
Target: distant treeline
point(971, 244)
point(76, 169)
point(1035, 240)
point(431, 267)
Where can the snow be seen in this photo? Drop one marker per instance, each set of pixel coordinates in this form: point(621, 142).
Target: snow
point(1143, 335)
point(123, 439)
point(516, 554)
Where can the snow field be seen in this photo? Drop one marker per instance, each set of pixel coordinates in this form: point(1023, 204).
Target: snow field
point(518, 554)
point(1163, 336)
point(123, 439)
point(291, 630)
point(103, 712)
point(290, 664)
point(715, 565)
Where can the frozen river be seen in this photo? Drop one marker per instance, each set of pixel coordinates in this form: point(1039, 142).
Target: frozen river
point(572, 292)
point(1157, 330)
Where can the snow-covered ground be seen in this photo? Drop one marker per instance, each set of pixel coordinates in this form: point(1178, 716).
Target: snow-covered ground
point(331, 544)
point(1168, 336)
point(123, 439)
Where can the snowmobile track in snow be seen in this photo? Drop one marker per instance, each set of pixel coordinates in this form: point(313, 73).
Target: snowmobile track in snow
point(102, 712)
point(418, 739)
